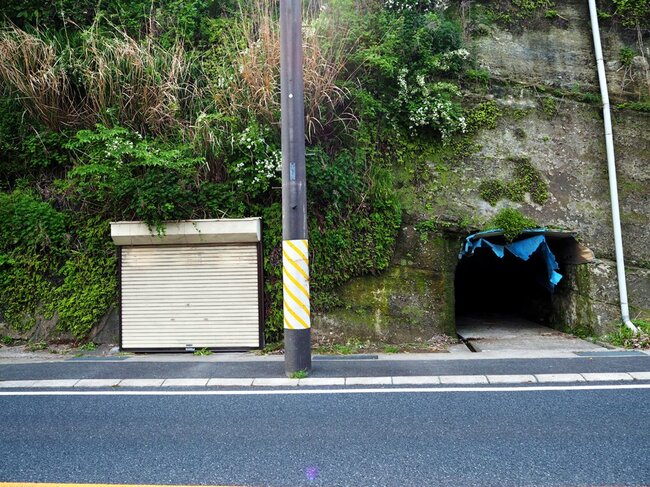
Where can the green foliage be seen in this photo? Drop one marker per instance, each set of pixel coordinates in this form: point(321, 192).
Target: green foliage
point(173, 143)
point(638, 106)
point(527, 179)
point(88, 347)
point(270, 348)
point(516, 13)
point(626, 55)
point(170, 20)
point(202, 352)
point(550, 107)
point(408, 59)
point(36, 346)
point(121, 175)
point(480, 76)
point(32, 241)
point(632, 13)
point(352, 346)
point(484, 115)
point(528, 7)
point(88, 289)
point(512, 222)
point(624, 337)
point(49, 269)
point(299, 374)
point(26, 152)
point(426, 227)
point(29, 223)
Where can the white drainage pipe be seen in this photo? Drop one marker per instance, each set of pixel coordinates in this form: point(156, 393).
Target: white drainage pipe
point(611, 166)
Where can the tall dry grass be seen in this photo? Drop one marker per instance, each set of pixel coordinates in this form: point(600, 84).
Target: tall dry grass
point(33, 69)
point(107, 79)
point(249, 81)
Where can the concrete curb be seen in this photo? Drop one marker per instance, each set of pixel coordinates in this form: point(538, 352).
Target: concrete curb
point(328, 381)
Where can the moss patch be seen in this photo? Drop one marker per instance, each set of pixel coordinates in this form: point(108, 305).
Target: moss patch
point(526, 180)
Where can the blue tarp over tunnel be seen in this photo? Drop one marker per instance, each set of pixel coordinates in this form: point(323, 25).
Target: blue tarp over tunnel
point(523, 249)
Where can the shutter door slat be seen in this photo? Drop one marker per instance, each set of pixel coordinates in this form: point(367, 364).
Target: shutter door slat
point(175, 296)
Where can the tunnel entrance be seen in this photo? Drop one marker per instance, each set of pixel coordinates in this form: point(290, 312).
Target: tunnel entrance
point(486, 283)
point(517, 282)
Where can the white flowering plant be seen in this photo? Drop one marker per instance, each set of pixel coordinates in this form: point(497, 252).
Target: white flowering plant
point(256, 162)
point(416, 5)
point(414, 68)
point(429, 105)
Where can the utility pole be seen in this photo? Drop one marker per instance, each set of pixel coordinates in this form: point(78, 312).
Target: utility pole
point(295, 248)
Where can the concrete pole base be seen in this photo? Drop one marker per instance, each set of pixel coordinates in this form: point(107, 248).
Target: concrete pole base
point(297, 350)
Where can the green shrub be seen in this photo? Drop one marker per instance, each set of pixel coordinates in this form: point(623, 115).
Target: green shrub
point(512, 222)
point(626, 55)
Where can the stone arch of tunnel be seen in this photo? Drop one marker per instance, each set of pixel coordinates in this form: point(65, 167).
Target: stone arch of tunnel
point(507, 287)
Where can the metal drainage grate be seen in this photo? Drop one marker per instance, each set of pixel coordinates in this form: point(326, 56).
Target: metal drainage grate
point(90, 358)
point(321, 358)
point(612, 353)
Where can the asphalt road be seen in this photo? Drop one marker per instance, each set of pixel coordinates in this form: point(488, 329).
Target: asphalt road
point(81, 369)
point(597, 437)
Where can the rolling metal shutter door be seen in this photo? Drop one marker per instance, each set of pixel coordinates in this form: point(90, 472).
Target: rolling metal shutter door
point(200, 296)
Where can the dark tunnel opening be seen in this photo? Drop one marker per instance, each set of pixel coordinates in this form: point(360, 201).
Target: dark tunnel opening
point(488, 285)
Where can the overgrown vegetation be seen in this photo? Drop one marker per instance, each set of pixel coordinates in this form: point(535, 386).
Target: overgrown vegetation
point(512, 222)
point(624, 337)
point(169, 110)
point(526, 179)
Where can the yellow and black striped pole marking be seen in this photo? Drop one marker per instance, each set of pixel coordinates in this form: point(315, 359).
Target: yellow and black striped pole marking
point(295, 281)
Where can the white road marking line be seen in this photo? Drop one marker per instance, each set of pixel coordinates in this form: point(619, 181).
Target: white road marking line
point(279, 392)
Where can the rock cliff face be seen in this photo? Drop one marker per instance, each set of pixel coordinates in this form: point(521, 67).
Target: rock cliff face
point(544, 82)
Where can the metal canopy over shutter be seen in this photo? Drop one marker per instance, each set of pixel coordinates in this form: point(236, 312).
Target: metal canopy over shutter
point(190, 296)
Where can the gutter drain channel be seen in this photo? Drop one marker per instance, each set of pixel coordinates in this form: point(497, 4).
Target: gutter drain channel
point(471, 346)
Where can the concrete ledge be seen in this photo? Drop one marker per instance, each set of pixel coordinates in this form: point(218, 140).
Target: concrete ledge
point(230, 383)
point(640, 375)
point(141, 382)
point(185, 382)
point(367, 381)
point(322, 381)
point(55, 383)
point(542, 378)
point(416, 380)
point(511, 379)
point(97, 383)
point(10, 384)
point(606, 376)
point(463, 379)
point(331, 381)
point(274, 382)
point(188, 232)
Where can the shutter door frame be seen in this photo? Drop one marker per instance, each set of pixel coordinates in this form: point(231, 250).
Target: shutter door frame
point(260, 298)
